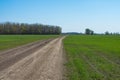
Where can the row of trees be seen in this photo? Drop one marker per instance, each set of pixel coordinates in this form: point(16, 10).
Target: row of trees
point(110, 33)
point(89, 32)
point(22, 28)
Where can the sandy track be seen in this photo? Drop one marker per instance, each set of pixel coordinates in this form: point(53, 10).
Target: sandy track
point(35, 61)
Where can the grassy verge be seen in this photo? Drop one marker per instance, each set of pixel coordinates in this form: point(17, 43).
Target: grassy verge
point(10, 41)
point(93, 57)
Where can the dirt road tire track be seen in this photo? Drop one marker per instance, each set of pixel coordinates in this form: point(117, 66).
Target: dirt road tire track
point(11, 56)
point(43, 63)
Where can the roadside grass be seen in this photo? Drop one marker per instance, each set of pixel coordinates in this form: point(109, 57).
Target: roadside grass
point(95, 57)
point(11, 41)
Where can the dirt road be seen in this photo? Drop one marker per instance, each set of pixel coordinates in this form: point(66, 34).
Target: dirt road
point(42, 60)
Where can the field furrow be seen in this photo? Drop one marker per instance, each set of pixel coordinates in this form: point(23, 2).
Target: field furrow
point(93, 57)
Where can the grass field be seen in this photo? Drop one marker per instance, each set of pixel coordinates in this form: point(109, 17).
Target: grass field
point(93, 57)
point(10, 41)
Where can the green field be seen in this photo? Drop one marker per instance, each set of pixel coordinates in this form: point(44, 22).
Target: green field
point(10, 41)
point(94, 57)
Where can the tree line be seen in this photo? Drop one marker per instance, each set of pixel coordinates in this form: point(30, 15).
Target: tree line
point(23, 28)
point(89, 32)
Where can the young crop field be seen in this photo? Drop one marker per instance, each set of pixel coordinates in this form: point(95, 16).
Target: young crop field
point(10, 41)
point(94, 57)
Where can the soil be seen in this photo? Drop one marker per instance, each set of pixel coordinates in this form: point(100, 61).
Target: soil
point(41, 60)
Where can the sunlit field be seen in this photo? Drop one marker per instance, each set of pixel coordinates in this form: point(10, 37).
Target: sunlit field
point(95, 57)
point(10, 41)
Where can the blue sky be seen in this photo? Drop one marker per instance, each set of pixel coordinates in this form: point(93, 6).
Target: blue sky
point(71, 15)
